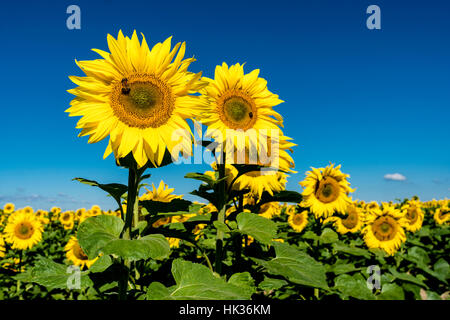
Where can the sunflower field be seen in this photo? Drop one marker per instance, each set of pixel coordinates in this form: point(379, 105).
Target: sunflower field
point(247, 238)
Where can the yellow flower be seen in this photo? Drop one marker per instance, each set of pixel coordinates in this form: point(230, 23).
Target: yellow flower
point(326, 191)
point(2, 247)
point(75, 254)
point(352, 222)
point(442, 215)
point(67, 218)
point(162, 194)
point(8, 208)
point(42, 216)
point(414, 215)
point(240, 102)
point(298, 221)
point(173, 242)
point(23, 231)
point(384, 228)
point(269, 210)
point(139, 97)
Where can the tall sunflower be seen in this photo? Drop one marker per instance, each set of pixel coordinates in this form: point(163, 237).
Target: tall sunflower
point(75, 254)
point(139, 97)
point(352, 221)
point(414, 215)
point(23, 231)
point(238, 103)
point(326, 191)
point(384, 228)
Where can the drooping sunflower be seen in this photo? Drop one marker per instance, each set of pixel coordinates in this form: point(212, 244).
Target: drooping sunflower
point(442, 214)
point(352, 221)
point(384, 228)
point(23, 230)
point(298, 220)
point(75, 254)
point(414, 215)
point(326, 191)
point(8, 208)
point(139, 97)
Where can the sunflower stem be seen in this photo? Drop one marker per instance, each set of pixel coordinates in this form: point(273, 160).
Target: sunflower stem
point(221, 216)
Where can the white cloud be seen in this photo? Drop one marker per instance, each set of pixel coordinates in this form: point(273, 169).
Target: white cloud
point(395, 177)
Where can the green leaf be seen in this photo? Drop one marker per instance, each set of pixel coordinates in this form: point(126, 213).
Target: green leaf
point(176, 205)
point(269, 284)
point(296, 266)
point(53, 275)
point(95, 232)
point(243, 280)
point(102, 263)
point(281, 196)
point(406, 277)
point(340, 247)
point(196, 282)
point(328, 236)
point(391, 291)
point(353, 286)
point(116, 190)
point(340, 268)
point(202, 177)
point(153, 246)
point(442, 269)
point(260, 228)
point(418, 255)
point(221, 226)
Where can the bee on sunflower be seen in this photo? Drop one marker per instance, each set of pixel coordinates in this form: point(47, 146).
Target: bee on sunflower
point(139, 97)
point(384, 228)
point(326, 191)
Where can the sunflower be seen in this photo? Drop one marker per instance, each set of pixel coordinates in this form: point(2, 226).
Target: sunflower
point(326, 191)
point(8, 208)
point(352, 222)
point(173, 242)
point(139, 97)
point(241, 105)
point(75, 254)
point(371, 206)
point(162, 194)
point(27, 210)
point(23, 230)
point(79, 213)
point(442, 215)
point(269, 210)
point(2, 246)
point(42, 216)
point(384, 228)
point(67, 218)
point(94, 211)
point(298, 221)
point(414, 215)
point(197, 231)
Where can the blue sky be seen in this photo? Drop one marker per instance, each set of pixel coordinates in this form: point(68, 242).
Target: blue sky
point(375, 101)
